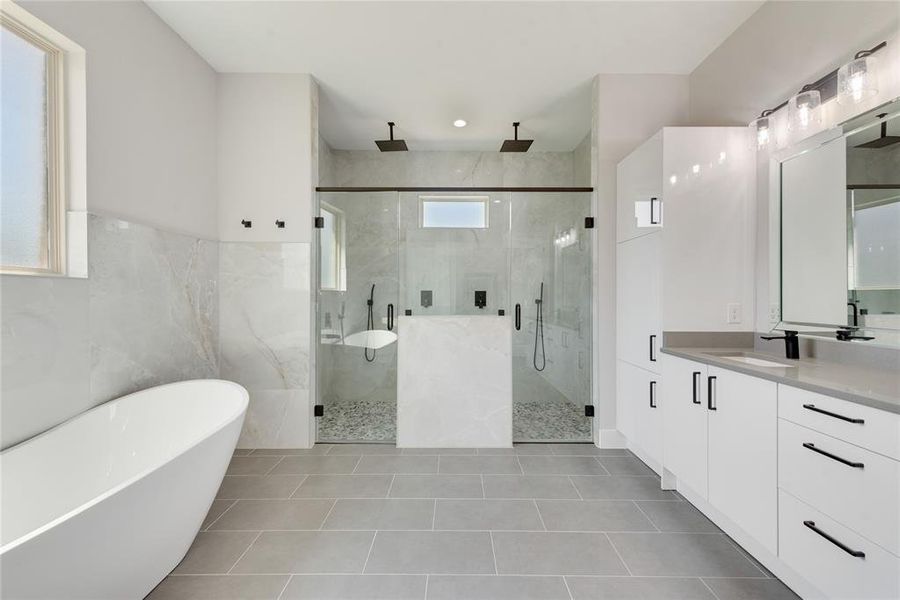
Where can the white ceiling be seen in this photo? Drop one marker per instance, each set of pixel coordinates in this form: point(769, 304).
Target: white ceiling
point(424, 64)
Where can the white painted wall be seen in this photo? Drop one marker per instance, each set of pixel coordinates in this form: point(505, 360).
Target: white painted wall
point(627, 109)
point(265, 155)
point(151, 137)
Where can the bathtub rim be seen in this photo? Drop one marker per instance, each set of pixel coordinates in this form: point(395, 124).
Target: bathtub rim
point(202, 437)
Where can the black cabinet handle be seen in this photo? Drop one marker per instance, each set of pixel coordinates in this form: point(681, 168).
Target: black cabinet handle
point(653, 348)
point(696, 399)
point(653, 219)
point(518, 317)
point(821, 411)
point(849, 463)
point(839, 544)
point(711, 392)
point(652, 394)
point(390, 317)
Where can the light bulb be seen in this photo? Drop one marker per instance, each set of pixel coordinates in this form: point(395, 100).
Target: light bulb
point(760, 129)
point(803, 110)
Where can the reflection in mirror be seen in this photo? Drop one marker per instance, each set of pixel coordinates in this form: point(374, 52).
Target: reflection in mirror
point(840, 230)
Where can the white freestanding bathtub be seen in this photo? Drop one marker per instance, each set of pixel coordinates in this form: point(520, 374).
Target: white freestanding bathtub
point(106, 504)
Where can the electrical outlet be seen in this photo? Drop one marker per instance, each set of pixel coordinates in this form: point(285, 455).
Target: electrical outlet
point(734, 313)
point(774, 313)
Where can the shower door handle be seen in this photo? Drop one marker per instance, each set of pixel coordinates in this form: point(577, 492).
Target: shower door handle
point(390, 316)
point(518, 317)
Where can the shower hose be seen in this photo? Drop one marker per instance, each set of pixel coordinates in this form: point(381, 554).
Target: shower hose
point(539, 332)
point(370, 323)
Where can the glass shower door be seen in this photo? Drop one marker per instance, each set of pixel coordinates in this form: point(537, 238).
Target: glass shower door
point(358, 301)
point(550, 277)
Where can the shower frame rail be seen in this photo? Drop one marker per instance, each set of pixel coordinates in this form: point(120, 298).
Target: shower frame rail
point(454, 189)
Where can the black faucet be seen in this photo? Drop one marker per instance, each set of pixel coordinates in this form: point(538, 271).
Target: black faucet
point(791, 344)
point(846, 335)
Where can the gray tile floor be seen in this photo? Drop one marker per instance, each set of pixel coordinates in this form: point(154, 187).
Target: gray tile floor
point(535, 522)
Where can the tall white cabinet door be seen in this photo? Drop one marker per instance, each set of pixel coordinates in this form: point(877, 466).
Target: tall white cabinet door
point(743, 457)
point(683, 395)
point(639, 190)
point(638, 336)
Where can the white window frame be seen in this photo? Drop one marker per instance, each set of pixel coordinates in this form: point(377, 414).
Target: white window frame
point(340, 259)
point(66, 144)
point(483, 199)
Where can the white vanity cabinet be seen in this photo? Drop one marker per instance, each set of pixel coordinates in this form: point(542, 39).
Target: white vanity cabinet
point(640, 415)
point(720, 432)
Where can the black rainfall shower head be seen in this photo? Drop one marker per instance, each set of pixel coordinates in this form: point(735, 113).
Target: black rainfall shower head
point(516, 145)
point(391, 145)
point(883, 140)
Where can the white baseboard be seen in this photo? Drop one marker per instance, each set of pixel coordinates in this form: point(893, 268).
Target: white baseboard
point(611, 438)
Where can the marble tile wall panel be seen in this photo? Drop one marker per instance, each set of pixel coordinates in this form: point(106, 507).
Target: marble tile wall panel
point(354, 168)
point(45, 362)
point(153, 307)
point(454, 382)
point(264, 333)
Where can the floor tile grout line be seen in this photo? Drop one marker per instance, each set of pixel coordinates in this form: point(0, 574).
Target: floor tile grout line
point(391, 485)
point(747, 556)
point(568, 589)
point(434, 514)
point(711, 591)
point(246, 550)
point(302, 481)
point(427, 578)
point(216, 520)
point(540, 516)
point(572, 483)
point(328, 514)
point(616, 550)
point(483, 494)
point(494, 553)
point(369, 553)
point(356, 466)
point(652, 522)
point(277, 462)
point(286, 584)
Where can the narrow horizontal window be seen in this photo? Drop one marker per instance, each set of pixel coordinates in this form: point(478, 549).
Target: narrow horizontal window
point(454, 212)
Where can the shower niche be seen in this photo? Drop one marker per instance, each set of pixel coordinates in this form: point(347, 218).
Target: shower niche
point(521, 256)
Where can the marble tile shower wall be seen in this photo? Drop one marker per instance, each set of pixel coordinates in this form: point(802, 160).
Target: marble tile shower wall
point(355, 168)
point(153, 307)
point(264, 304)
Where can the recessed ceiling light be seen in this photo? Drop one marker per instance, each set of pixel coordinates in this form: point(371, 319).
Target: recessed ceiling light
point(459, 123)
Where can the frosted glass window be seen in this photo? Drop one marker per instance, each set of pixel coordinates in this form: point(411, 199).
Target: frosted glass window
point(331, 244)
point(27, 217)
point(455, 212)
point(877, 245)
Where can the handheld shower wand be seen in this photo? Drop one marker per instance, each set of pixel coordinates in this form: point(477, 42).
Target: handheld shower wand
point(539, 332)
point(370, 323)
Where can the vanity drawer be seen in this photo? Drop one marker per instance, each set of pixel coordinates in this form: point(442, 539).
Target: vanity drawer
point(864, 495)
point(863, 426)
point(833, 570)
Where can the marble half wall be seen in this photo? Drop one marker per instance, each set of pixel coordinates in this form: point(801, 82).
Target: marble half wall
point(153, 307)
point(454, 382)
point(264, 337)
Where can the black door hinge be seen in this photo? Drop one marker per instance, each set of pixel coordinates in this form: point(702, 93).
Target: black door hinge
point(589, 410)
point(318, 410)
point(589, 222)
point(319, 222)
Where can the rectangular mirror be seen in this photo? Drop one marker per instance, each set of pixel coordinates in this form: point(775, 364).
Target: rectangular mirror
point(840, 230)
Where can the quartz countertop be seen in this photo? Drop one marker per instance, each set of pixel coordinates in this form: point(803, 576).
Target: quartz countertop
point(877, 388)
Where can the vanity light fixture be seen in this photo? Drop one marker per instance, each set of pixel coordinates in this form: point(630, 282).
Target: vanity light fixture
point(460, 123)
point(857, 78)
point(803, 111)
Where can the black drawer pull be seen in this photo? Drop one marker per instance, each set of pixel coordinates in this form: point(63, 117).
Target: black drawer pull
point(696, 387)
point(518, 317)
point(813, 408)
point(845, 548)
point(652, 348)
point(652, 394)
point(711, 392)
point(855, 465)
point(653, 218)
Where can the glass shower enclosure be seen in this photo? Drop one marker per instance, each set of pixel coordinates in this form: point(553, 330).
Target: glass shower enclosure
point(386, 254)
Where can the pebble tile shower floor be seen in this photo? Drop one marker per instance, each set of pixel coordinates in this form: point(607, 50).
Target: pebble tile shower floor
point(535, 522)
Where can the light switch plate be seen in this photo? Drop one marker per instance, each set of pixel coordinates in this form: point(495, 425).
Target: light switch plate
point(734, 313)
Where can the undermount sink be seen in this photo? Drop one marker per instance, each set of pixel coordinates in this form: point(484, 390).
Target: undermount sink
point(752, 360)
